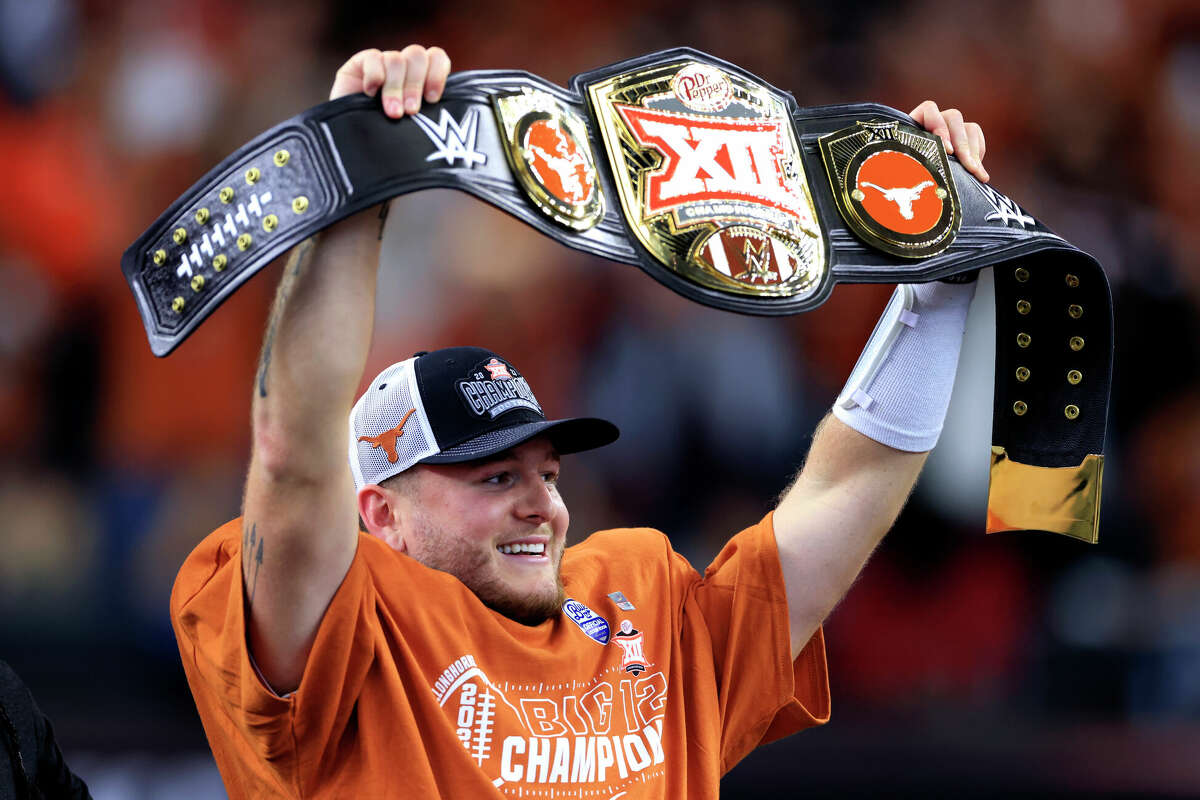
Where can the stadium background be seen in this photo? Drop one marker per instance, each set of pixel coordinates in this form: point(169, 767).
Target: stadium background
point(958, 662)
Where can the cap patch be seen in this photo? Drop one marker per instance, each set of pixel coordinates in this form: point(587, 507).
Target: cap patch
point(497, 370)
point(387, 439)
point(494, 387)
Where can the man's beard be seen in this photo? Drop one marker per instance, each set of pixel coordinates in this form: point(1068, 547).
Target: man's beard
point(527, 610)
point(440, 551)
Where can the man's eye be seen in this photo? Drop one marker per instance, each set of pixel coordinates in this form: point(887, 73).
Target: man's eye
point(550, 477)
point(499, 479)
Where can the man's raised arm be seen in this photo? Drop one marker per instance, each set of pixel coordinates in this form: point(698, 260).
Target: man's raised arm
point(300, 519)
point(866, 456)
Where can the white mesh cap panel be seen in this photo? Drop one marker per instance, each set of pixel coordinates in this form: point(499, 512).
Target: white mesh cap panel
point(382, 408)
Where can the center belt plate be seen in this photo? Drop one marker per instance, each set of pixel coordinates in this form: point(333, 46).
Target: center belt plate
point(710, 177)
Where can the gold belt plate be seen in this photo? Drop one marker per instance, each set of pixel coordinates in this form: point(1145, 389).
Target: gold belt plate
point(548, 151)
point(710, 178)
point(893, 187)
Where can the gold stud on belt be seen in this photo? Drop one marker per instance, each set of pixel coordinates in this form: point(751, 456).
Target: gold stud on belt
point(219, 262)
point(252, 175)
point(244, 241)
point(226, 195)
point(1074, 377)
point(1019, 408)
point(1023, 339)
point(281, 157)
point(1072, 280)
point(197, 283)
point(1022, 374)
point(300, 204)
point(1023, 307)
point(1071, 411)
point(180, 236)
point(160, 257)
point(1075, 311)
point(1076, 343)
point(1021, 274)
point(202, 215)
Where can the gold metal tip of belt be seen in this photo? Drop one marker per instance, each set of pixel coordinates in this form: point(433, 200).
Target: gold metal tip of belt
point(1063, 500)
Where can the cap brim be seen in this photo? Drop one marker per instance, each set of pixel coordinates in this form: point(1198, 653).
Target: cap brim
point(572, 435)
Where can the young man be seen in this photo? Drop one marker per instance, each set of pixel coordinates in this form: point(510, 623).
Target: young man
point(457, 649)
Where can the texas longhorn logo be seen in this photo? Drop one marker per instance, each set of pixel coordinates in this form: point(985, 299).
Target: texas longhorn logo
point(710, 177)
point(893, 187)
point(387, 439)
point(907, 201)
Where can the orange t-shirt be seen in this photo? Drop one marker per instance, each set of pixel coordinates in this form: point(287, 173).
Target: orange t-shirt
point(415, 689)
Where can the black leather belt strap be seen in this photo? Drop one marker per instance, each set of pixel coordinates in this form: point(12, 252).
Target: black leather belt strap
point(1054, 311)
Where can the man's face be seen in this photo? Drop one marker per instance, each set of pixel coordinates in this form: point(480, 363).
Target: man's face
point(498, 525)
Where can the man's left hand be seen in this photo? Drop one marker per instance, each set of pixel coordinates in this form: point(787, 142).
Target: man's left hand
point(963, 139)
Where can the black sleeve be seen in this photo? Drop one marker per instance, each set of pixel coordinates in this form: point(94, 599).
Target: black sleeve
point(29, 746)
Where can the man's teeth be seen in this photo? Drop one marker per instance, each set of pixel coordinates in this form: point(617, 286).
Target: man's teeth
point(532, 549)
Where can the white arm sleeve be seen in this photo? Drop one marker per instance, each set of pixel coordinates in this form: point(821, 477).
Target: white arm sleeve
point(899, 390)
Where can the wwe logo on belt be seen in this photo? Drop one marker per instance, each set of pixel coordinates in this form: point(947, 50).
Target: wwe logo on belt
point(1006, 210)
point(758, 262)
point(454, 140)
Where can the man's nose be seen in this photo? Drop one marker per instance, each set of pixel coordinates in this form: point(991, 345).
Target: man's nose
point(537, 501)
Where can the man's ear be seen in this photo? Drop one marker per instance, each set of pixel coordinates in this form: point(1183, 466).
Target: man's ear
point(382, 513)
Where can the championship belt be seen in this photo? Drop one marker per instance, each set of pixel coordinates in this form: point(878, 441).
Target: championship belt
point(717, 185)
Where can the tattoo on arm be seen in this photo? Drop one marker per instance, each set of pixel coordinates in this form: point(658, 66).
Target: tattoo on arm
point(384, 209)
point(297, 264)
point(252, 553)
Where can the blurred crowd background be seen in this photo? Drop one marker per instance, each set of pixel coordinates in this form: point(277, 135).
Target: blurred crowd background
point(1000, 663)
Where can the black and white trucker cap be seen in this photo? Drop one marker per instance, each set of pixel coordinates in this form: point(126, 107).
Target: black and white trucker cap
point(452, 405)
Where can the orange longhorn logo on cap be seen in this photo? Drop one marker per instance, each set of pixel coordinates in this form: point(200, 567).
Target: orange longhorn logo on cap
point(387, 439)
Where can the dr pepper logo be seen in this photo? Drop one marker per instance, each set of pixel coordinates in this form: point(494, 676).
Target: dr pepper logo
point(702, 88)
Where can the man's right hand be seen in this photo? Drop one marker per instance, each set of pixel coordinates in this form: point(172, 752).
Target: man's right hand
point(404, 75)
